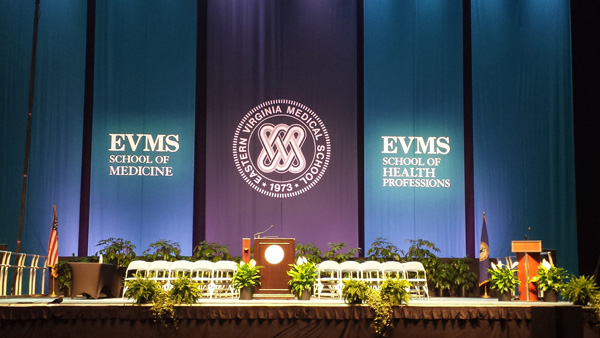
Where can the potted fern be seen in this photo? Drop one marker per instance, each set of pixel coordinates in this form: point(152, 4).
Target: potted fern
point(185, 290)
point(245, 278)
point(142, 289)
point(303, 274)
point(550, 279)
point(581, 290)
point(504, 279)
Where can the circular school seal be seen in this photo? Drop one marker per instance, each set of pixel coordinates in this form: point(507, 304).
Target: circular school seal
point(281, 148)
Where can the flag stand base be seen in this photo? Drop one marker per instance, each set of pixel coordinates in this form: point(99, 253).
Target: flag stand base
point(53, 294)
point(485, 294)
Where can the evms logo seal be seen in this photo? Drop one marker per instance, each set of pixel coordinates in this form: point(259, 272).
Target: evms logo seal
point(281, 148)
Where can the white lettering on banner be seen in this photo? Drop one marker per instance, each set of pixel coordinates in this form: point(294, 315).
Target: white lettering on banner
point(148, 164)
point(414, 171)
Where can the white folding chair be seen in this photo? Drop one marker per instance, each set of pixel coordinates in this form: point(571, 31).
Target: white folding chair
point(202, 273)
point(223, 272)
point(132, 269)
point(180, 268)
point(160, 271)
point(329, 278)
point(392, 269)
point(350, 270)
point(371, 273)
point(416, 275)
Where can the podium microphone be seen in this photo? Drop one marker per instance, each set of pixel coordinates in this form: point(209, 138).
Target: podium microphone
point(257, 235)
point(527, 234)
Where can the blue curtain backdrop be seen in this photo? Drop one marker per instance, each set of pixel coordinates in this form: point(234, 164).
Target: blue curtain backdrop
point(304, 51)
point(523, 125)
point(413, 88)
point(55, 157)
point(144, 87)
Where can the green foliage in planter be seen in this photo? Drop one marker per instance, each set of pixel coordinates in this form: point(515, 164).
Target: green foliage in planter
point(334, 254)
point(116, 251)
point(382, 319)
point(185, 290)
point(303, 274)
point(310, 251)
point(382, 250)
point(163, 308)
point(141, 289)
point(504, 277)
point(65, 277)
point(461, 274)
point(395, 291)
point(354, 291)
point(581, 290)
point(438, 273)
point(164, 250)
point(211, 251)
point(420, 250)
point(550, 277)
point(247, 274)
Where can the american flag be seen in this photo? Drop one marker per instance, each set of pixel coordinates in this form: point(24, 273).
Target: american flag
point(53, 246)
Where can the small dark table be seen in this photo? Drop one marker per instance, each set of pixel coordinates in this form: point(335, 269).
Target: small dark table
point(92, 278)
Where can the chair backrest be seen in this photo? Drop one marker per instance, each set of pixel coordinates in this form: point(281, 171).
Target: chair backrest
point(224, 269)
point(350, 269)
point(370, 266)
point(181, 267)
point(202, 269)
point(392, 269)
point(159, 268)
point(415, 269)
point(135, 266)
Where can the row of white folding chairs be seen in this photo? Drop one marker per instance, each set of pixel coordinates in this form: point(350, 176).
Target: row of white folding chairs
point(214, 278)
point(332, 274)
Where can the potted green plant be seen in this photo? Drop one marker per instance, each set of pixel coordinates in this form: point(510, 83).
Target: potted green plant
point(550, 279)
point(116, 251)
point(382, 250)
point(462, 276)
point(581, 290)
point(164, 250)
point(334, 253)
point(141, 289)
point(211, 252)
point(245, 278)
point(395, 291)
point(354, 291)
point(439, 274)
point(185, 290)
point(303, 274)
point(504, 279)
point(310, 251)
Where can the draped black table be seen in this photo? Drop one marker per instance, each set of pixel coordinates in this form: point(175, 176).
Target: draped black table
point(93, 278)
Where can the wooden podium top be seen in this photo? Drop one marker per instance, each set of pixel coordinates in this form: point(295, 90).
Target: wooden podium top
point(526, 246)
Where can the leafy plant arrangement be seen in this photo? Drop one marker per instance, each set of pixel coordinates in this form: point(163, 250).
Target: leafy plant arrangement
point(382, 319)
point(334, 254)
point(310, 251)
point(354, 291)
point(303, 274)
point(185, 290)
point(395, 291)
point(382, 250)
point(141, 289)
point(581, 290)
point(211, 251)
point(163, 249)
point(247, 274)
point(550, 277)
point(420, 250)
point(116, 251)
point(461, 275)
point(503, 277)
point(163, 308)
point(439, 274)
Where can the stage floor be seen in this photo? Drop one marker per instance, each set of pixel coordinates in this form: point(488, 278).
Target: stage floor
point(328, 302)
point(226, 317)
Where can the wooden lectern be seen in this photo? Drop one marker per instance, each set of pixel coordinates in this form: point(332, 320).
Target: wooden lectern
point(528, 256)
point(276, 255)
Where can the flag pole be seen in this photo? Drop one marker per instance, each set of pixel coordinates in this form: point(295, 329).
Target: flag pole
point(53, 294)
